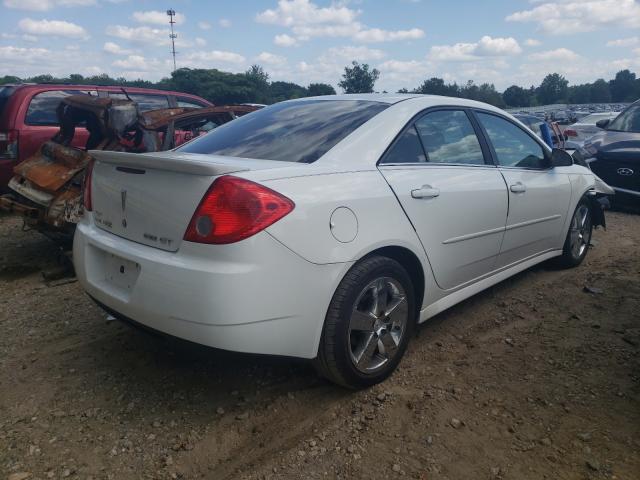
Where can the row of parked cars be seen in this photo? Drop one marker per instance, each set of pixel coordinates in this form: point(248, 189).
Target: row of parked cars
point(327, 228)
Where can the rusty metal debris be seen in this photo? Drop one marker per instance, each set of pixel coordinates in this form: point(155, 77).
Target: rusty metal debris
point(48, 186)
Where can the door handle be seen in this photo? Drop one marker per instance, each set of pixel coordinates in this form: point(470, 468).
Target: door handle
point(426, 191)
point(518, 188)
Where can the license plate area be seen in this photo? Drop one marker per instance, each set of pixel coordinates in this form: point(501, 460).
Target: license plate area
point(120, 272)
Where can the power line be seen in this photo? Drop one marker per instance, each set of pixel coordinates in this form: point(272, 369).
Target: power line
point(171, 13)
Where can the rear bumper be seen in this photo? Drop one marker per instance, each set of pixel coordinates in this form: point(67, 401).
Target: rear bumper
point(255, 296)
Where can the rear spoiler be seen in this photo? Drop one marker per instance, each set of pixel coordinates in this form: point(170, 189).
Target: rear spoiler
point(191, 164)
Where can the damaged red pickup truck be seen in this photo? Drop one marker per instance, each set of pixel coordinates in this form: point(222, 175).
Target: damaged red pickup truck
point(46, 188)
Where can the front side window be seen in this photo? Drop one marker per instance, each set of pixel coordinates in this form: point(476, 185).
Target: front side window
point(627, 121)
point(185, 102)
point(300, 131)
point(512, 145)
point(42, 108)
point(448, 137)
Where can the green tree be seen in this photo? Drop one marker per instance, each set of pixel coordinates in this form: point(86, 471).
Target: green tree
point(553, 89)
point(580, 93)
point(623, 87)
point(599, 91)
point(318, 89)
point(515, 96)
point(436, 86)
point(358, 78)
point(279, 91)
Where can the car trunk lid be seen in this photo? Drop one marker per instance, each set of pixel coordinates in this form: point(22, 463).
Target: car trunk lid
point(150, 198)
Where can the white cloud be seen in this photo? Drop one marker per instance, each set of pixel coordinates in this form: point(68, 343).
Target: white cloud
point(145, 35)
point(557, 55)
point(303, 12)
point(485, 47)
point(209, 59)
point(156, 17)
point(200, 42)
point(45, 5)
point(624, 42)
point(378, 35)
point(115, 49)
point(573, 16)
point(224, 23)
point(133, 62)
point(307, 20)
point(349, 53)
point(204, 25)
point(532, 42)
point(271, 59)
point(54, 28)
point(285, 40)
point(19, 54)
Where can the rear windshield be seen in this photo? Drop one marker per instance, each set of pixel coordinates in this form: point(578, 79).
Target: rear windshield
point(300, 131)
point(5, 93)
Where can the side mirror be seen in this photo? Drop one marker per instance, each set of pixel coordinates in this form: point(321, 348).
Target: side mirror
point(604, 123)
point(560, 158)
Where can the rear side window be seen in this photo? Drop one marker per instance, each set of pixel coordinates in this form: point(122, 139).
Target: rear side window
point(145, 101)
point(300, 131)
point(5, 93)
point(42, 108)
point(449, 137)
point(513, 146)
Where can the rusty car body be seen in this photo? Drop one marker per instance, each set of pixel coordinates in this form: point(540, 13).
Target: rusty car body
point(47, 187)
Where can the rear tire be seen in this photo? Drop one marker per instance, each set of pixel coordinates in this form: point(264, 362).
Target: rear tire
point(368, 324)
point(576, 245)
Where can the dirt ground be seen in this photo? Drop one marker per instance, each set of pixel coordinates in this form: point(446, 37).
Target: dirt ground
point(536, 378)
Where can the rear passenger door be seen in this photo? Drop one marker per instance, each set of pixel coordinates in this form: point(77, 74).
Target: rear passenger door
point(454, 197)
point(538, 194)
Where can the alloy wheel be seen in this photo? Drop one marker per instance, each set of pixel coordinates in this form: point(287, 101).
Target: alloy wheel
point(580, 233)
point(378, 323)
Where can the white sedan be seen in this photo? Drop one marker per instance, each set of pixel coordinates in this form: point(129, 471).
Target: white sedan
point(327, 228)
point(586, 128)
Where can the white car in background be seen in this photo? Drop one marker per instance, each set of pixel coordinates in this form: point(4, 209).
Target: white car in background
point(327, 228)
point(585, 128)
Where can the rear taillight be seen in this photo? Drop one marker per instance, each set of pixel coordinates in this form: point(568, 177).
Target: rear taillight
point(9, 145)
point(234, 209)
point(86, 192)
point(570, 132)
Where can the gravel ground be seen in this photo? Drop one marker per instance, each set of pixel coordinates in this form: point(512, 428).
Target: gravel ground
point(535, 378)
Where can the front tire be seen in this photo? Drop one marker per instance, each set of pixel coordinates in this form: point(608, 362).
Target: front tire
point(368, 324)
point(576, 245)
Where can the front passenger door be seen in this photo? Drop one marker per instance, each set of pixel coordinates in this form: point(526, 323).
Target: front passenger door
point(456, 201)
point(538, 194)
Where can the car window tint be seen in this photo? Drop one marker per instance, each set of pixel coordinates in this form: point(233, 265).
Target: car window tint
point(188, 103)
point(145, 101)
point(448, 137)
point(300, 131)
point(513, 147)
point(407, 149)
point(42, 108)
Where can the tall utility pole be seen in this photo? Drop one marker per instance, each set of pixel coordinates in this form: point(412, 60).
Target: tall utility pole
point(172, 13)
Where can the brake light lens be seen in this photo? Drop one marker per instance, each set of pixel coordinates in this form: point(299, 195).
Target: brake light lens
point(86, 192)
point(9, 145)
point(234, 209)
point(570, 132)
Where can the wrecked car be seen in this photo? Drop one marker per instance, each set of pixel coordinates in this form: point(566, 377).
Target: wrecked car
point(47, 187)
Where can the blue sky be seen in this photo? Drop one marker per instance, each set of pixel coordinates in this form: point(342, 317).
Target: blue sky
point(496, 41)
